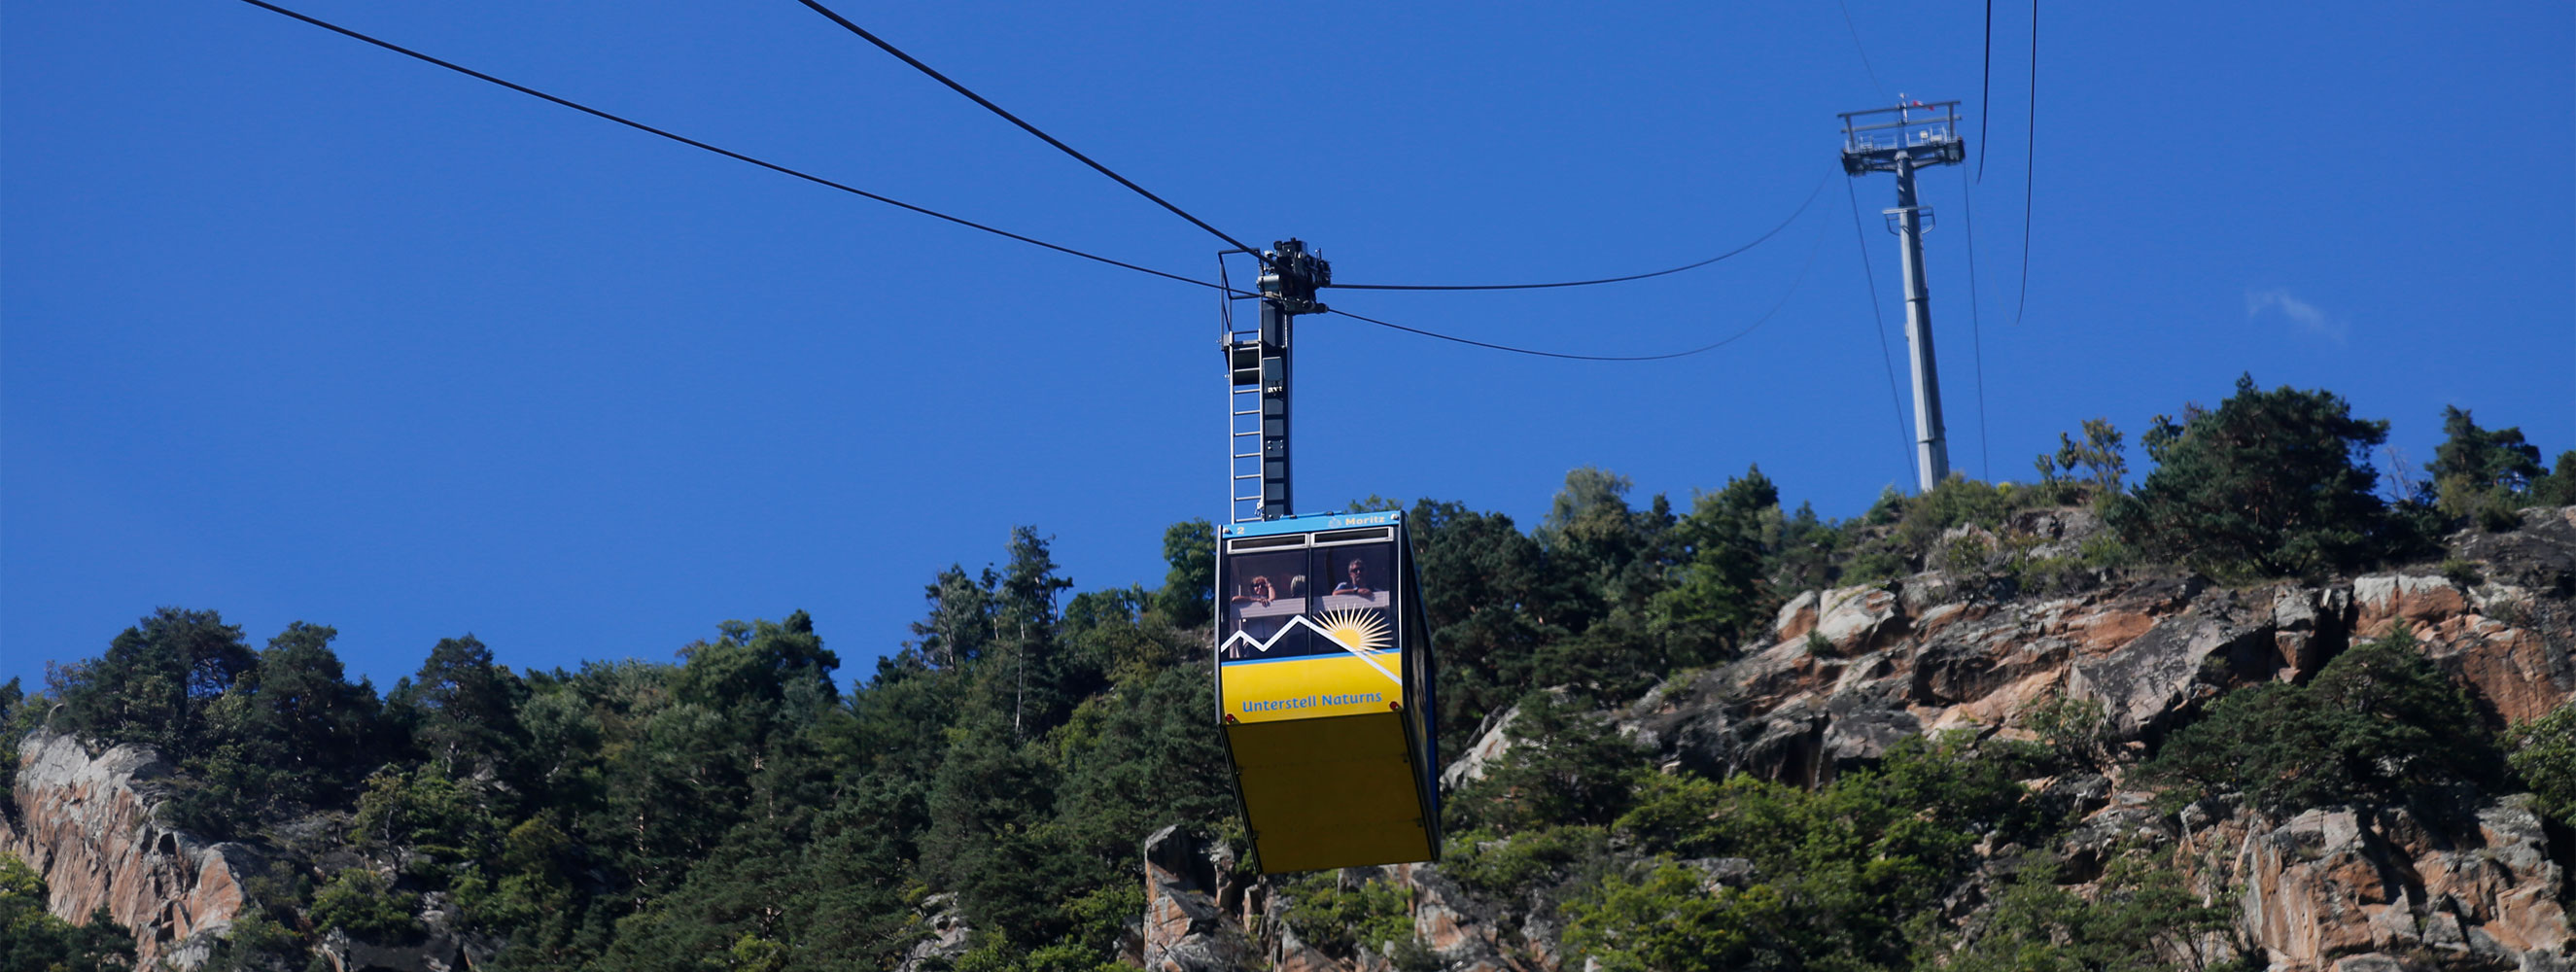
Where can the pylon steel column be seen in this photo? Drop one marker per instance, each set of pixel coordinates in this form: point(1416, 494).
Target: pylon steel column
point(1902, 140)
point(1931, 446)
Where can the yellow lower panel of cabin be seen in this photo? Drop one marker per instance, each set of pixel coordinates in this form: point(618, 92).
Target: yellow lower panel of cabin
point(1311, 687)
point(1335, 792)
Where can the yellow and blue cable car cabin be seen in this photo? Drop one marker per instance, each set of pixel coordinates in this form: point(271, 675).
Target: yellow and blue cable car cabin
point(1324, 687)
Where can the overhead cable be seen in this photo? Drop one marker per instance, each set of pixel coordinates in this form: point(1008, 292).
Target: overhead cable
point(1757, 241)
point(1702, 349)
point(1024, 126)
point(1986, 91)
point(1864, 51)
point(728, 153)
point(2030, 164)
point(970, 224)
point(1976, 338)
point(1885, 357)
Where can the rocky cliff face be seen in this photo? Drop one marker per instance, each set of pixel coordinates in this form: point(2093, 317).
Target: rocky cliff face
point(1202, 917)
point(86, 824)
point(1850, 671)
point(2331, 887)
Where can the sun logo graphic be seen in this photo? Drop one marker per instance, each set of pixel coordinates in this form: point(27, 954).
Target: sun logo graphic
point(1356, 629)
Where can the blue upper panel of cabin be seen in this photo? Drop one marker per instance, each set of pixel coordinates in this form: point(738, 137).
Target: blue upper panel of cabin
point(1313, 522)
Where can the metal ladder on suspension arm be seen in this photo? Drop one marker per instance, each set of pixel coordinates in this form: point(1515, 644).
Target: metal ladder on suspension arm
point(1257, 381)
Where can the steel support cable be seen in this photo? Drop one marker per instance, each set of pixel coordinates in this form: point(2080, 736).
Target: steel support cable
point(1976, 337)
point(1986, 91)
point(1794, 283)
point(1894, 399)
point(1024, 126)
point(728, 153)
point(897, 203)
point(1864, 51)
point(2030, 164)
point(1757, 241)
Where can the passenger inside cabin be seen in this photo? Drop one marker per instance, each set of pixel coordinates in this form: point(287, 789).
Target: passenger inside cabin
point(1355, 580)
point(1257, 592)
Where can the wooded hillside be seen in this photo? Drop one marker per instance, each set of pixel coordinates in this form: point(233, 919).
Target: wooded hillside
point(976, 799)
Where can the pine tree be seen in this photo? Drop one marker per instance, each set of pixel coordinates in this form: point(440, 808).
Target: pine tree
point(2483, 474)
point(157, 682)
point(2270, 483)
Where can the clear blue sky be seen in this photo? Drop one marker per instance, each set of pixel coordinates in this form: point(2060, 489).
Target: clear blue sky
point(294, 328)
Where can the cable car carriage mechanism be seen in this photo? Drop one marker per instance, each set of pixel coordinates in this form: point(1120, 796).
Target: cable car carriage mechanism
point(1324, 667)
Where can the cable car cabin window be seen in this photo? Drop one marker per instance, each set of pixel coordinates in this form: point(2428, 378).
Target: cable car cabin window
point(1267, 593)
point(1296, 603)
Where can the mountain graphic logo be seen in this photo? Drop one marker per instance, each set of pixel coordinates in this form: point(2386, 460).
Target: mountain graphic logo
point(1363, 633)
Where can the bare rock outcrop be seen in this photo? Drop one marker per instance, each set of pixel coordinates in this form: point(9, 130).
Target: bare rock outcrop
point(2336, 886)
point(1490, 745)
point(2507, 642)
point(1186, 929)
point(1451, 928)
point(947, 938)
point(1200, 916)
point(87, 825)
point(1849, 671)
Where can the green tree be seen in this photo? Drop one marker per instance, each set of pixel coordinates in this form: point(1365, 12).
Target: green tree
point(1850, 861)
point(2543, 754)
point(2140, 919)
point(1344, 913)
point(1610, 551)
point(1803, 557)
point(990, 840)
point(364, 904)
point(2101, 459)
point(1563, 766)
point(1719, 595)
point(2380, 722)
point(2557, 488)
point(960, 626)
point(1189, 588)
point(2482, 458)
point(2271, 483)
point(18, 717)
point(1612, 560)
point(1043, 687)
point(461, 709)
point(157, 682)
point(1671, 920)
point(2483, 474)
point(1149, 737)
point(1493, 602)
point(736, 904)
point(289, 734)
point(422, 809)
point(314, 721)
point(1119, 636)
point(761, 677)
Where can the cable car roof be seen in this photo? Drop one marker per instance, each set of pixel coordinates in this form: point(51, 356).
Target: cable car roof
point(1314, 521)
